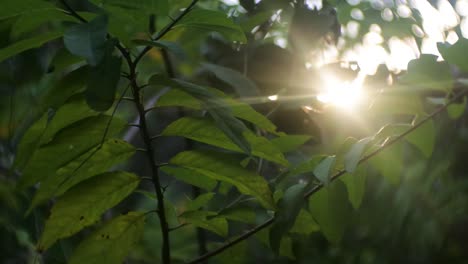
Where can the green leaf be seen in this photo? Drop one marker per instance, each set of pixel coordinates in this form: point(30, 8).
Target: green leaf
point(288, 143)
point(100, 92)
point(209, 20)
point(423, 138)
point(190, 176)
point(26, 44)
point(455, 54)
point(220, 166)
point(67, 145)
point(331, 209)
point(84, 204)
point(308, 165)
point(389, 162)
point(455, 111)
point(239, 213)
point(353, 156)
point(288, 208)
point(323, 170)
point(177, 97)
point(111, 243)
point(250, 23)
point(426, 72)
point(304, 224)
point(218, 110)
point(356, 185)
point(30, 21)
point(95, 161)
point(205, 131)
point(242, 85)
point(207, 220)
point(170, 46)
point(159, 7)
point(11, 8)
point(88, 40)
point(394, 103)
point(199, 202)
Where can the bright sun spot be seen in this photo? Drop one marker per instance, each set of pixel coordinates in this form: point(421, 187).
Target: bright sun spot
point(345, 95)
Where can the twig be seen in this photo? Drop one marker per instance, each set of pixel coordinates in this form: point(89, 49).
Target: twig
point(333, 178)
point(165, 30)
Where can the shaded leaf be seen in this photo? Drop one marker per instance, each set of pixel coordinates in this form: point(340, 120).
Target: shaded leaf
point(159, 7)
point(209, 20)
point(11, 8)
point(456, 110)
point(243, 86)
point(170, 46)
point(27, 44)
point(88, 40)
point(323, 170)
point(331, 209)
point(307, 166)
point(199, 201)
point(427, 72)
point(222, 167)
point(112, 242)
point(304, 224)
point(454, 54)
point(239, 213)
point(423, 138)
point(203, 130)
point(83, 205)
point(100, 92)
point(207, 220)
point(353, 156)
point(390, 162)
point(288, 208)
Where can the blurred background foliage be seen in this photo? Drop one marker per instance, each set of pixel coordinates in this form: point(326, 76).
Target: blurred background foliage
point(413, 211)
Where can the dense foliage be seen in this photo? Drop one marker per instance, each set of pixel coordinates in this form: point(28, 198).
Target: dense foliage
point(159, 131)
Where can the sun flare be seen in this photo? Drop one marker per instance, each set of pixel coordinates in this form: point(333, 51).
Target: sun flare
point(346, 95)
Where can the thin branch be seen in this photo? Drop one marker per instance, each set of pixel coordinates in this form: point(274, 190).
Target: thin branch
point(73, 12)
point(333, 178)
point(165, 30)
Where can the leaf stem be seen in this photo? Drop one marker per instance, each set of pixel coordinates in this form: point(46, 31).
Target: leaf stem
point(333, 178)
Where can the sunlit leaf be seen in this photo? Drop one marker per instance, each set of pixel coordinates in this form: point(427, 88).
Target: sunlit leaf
point(207, 220)
point(205, 131)
point(88, 40)
point(83, 205)
point(288, 143)
point(331, 209)
point(288, 208)
point(423, 138)
point(389, 162)
point(191, 177)
point(222, 167)
point(67, 145)
point(304, 224)
point(356, 185)
point(112, 242)
point(95, 161)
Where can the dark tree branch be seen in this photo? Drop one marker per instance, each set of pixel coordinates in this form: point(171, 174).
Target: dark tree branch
point(333, 178)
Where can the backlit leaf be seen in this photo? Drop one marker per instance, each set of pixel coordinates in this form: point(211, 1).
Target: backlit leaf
point(205, 131)
point(288, 143)
point(356, 185)
point(323, 170)
point(191, 177)
point(199, 201)
point(454, 54)
point(353, 156)
point(83, 205)
point(222, 167)
point(112, 242)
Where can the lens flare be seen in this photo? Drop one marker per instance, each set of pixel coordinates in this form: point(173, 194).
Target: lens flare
point(346, 95)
